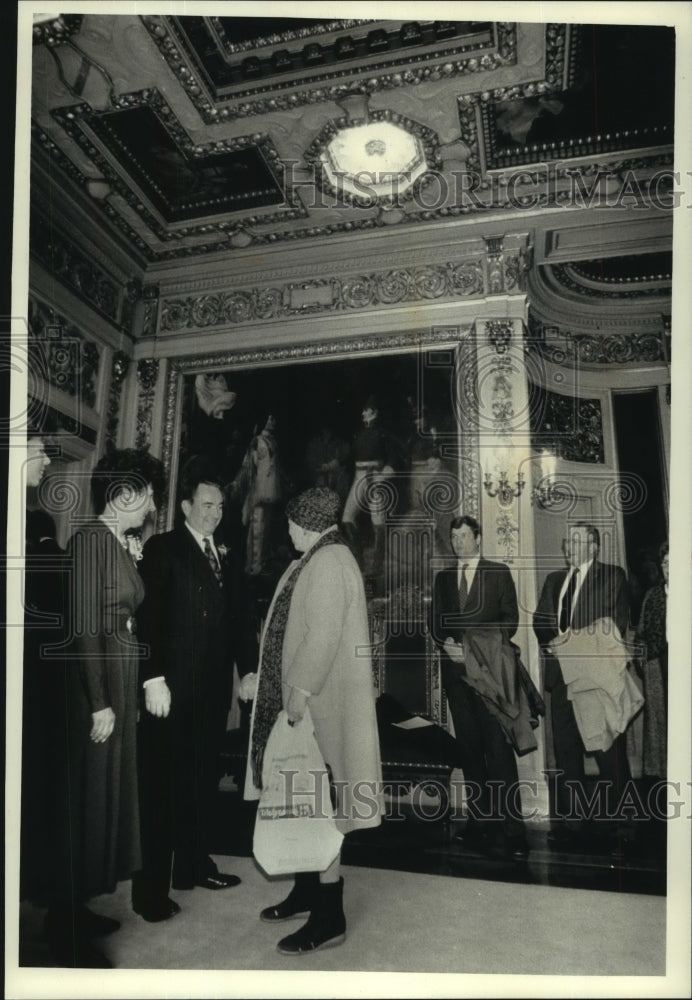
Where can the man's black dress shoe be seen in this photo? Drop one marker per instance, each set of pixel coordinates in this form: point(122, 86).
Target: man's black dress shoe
point(155, 913)
point(219, 881)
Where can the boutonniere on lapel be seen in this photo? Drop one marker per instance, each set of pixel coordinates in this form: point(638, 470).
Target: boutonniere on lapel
point(133, 544)
point(222, 550)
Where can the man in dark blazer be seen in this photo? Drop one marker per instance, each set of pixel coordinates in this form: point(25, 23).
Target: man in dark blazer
point(477, 594)
point(196, 621)
point(574, 598)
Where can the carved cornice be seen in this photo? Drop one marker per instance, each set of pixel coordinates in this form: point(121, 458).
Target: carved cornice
point(443, 254)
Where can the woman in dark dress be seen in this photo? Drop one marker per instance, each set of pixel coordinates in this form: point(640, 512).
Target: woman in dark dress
point(97, 828)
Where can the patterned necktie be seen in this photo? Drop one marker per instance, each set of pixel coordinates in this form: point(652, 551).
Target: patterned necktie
point(213, 561)
point(568, 598)
point(463, 587)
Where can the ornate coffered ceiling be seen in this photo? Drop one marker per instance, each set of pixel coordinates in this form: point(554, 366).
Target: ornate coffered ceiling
point(202, 173)
point(200, 135)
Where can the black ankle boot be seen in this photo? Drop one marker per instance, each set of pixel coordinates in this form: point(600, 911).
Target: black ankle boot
point(299, 901)
point(326, 926)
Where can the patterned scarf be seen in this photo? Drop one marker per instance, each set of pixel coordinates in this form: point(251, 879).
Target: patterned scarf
point(268, 700)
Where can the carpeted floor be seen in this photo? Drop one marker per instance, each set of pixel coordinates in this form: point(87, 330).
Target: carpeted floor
point(397, 922)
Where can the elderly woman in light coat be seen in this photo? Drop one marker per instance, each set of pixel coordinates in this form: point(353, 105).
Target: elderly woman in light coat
point(315, 651)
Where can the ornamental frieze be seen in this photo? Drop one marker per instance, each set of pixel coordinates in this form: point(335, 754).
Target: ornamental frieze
point(461, 280)
point(613, 349)
point(74, 269)
point(61, 355)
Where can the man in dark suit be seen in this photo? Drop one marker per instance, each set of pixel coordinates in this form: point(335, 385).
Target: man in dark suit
point(196, 622)
point(574, 598)
point(479, 594)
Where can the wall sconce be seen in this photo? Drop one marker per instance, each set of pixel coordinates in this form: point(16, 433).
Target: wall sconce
point(504, 491)
point(546, 493)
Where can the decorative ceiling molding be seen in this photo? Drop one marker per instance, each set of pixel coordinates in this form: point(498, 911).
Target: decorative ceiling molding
point(639, 269)
point(561, 302)
point(407, 68)
point(87, 146)
point(568, 279)
point(55, 30)
point(426, 139)
point(575, 282)
point(82, 125)
point(313, 29)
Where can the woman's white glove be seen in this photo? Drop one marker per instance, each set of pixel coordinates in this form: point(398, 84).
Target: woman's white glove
point(248, 687)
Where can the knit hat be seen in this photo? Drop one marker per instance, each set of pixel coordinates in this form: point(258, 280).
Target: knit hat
point(315, 509)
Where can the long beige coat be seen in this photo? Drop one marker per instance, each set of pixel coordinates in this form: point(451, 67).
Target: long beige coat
point(326, 651)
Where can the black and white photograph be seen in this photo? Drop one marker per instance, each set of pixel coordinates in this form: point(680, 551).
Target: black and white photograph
point(348, 500)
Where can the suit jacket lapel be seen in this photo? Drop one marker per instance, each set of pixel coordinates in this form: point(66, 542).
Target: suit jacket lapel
point(195, 557)
point(453, 590)
point(475, 592)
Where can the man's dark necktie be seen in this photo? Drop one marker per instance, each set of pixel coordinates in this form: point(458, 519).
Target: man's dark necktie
point(463, 587)
point(567, 600)
point(213, 561)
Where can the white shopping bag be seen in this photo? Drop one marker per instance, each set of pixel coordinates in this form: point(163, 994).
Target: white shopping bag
point(295, 829)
